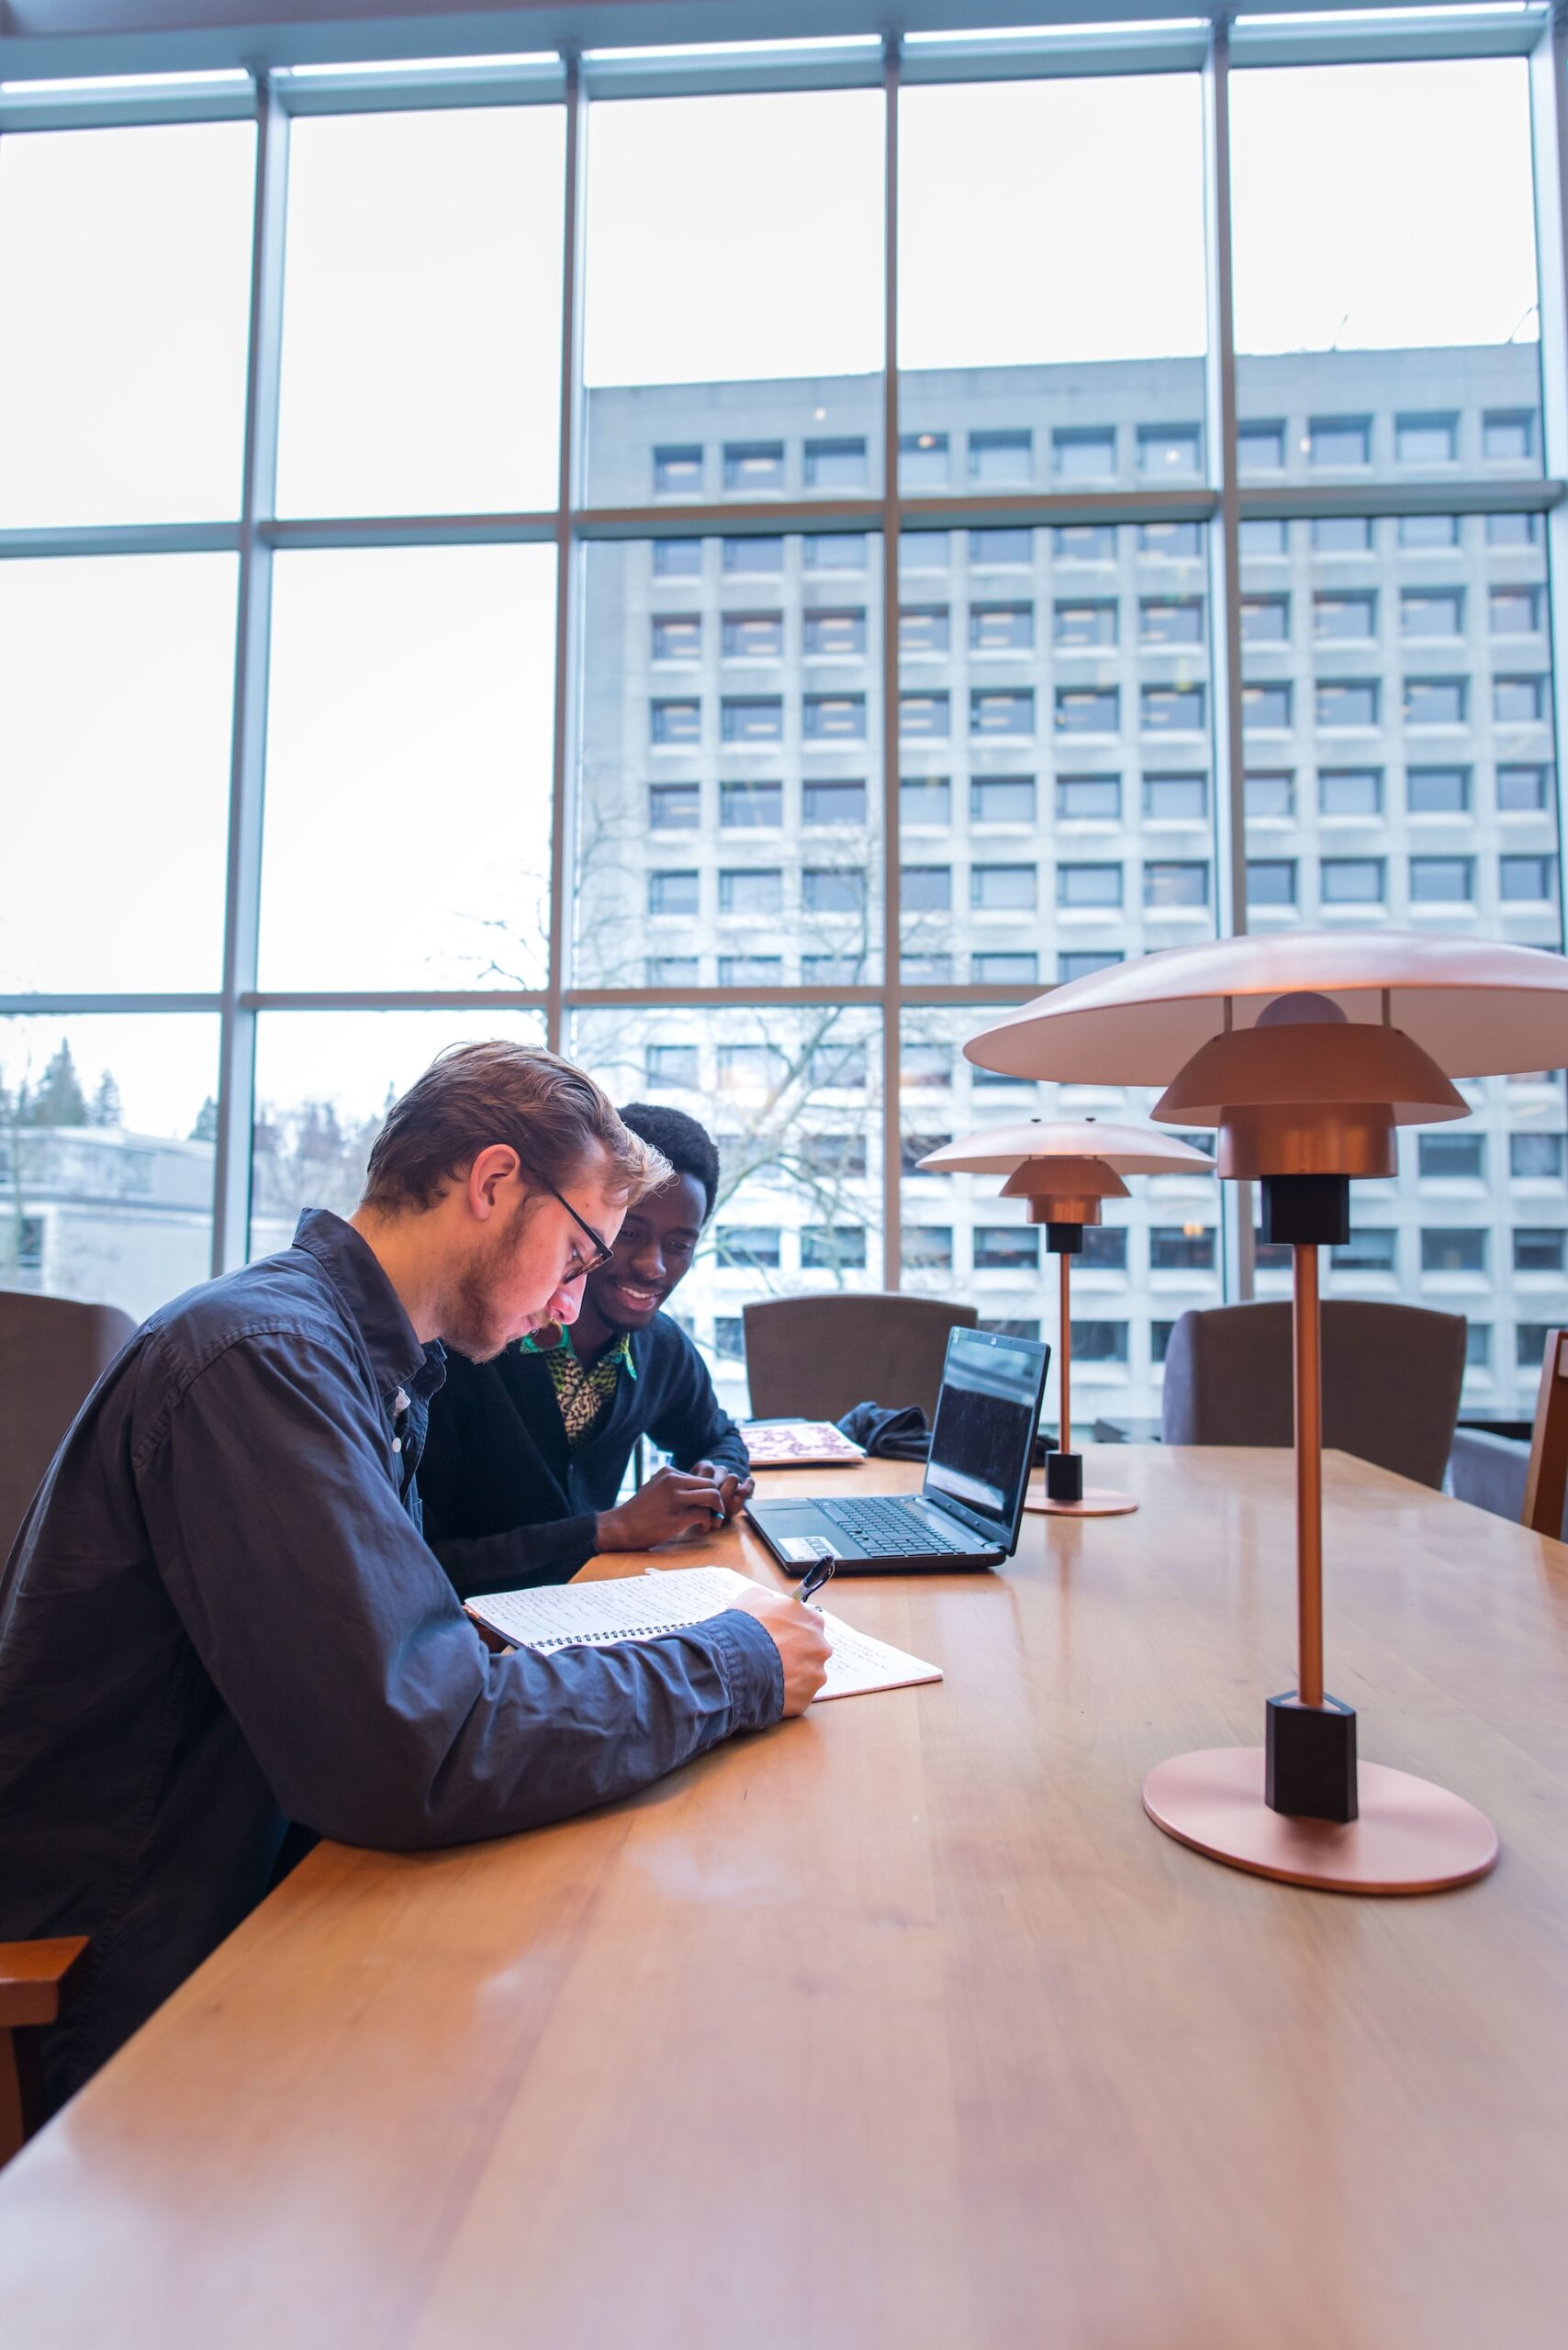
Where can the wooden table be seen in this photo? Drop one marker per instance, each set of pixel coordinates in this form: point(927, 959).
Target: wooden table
point(900, 2025)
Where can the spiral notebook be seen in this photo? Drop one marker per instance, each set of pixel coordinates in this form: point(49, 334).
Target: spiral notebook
point(639, 1607)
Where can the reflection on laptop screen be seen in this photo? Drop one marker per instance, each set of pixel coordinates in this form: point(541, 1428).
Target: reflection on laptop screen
point(985, 1423)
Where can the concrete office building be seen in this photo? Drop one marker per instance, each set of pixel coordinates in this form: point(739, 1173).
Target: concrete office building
point(1057, 803)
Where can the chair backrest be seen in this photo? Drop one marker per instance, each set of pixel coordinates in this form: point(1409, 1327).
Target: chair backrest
point(1546, 1478)
point(1391, 1381)
point(813, 1357)
point(51, 1350)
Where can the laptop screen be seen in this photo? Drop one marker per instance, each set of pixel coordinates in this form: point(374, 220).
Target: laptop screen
point(986, 1418)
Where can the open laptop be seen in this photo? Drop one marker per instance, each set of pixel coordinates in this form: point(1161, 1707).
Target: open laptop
point(967, 1512)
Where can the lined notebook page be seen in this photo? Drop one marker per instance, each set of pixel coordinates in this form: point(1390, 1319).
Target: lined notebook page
point(639, 1607)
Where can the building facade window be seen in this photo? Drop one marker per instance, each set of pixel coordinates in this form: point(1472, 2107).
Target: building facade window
point(995, 712)
point(759, 890)
point(835, 465)
point(1507, 435)
point(1440, 881)
point(751, 806)
point(922, 460)
point(1176, 799)
point(1003, 888)
point(1169, 451)
point(832, 803)
point(752, 467)
point(1080, 626)
point(750, 719)
point(1425, 439)
point(1087, 709)
point(1347, 701)
point(1006, 1247)
point(999, 458)
point(925, 717)
point(1184, 884)
point(926, 801)
point(1336, 443)
point(1002, 800)
point(834, 718)
point(1089, 799)
point(677, 473)
point(1097, 886)
point(1349, 791)
point(1452, 1248)
point(834, 635)
point(753, 637)
point(1434, 701)
point(1266, 708)
point(1436, 791)
point(673, 891)
point(677, 636)
point(1001, 628)
point(1455, 1156)
point(1337, 619)
point(923, 628)
point(1174, 710)
point(1270, 882)
point(1351, 880)
point(926, 888)
point(1084, 455)
point(675, 807)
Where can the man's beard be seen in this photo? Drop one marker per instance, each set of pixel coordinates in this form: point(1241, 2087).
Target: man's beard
point(470, 1325)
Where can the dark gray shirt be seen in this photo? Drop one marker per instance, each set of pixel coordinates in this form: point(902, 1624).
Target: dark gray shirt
point(220, 1617)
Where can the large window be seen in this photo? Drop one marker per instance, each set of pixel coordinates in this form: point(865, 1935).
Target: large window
point(496, 639)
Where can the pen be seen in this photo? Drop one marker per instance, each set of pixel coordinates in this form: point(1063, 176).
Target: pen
point(816, 1574)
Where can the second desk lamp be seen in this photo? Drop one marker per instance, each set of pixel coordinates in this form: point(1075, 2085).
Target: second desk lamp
point(1065, 1168)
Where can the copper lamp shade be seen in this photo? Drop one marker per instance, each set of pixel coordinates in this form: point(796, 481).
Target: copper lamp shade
point(1305, 1053)
point(1065, 1168)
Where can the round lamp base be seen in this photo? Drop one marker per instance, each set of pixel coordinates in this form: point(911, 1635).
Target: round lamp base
point(1094, 1503)
point(1411, 1837)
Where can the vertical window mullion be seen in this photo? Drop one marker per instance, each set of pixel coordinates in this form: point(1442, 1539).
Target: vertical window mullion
point(242, 922)
point(892, 996)
point(567, 556)
point(1224, 596)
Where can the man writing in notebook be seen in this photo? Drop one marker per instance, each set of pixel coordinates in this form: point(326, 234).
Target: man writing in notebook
point(220, 1616)
point(527, 1452)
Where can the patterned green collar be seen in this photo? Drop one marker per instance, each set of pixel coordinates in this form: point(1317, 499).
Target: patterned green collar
point(619, 1354)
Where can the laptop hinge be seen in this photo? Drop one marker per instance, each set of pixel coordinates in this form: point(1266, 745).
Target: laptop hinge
point(970, 1520)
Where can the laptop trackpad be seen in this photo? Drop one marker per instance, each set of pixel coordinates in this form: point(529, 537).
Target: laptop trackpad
point(801, 1532)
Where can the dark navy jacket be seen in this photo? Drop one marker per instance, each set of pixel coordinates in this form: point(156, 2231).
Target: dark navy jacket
point(509, 1502)
point(220, 1616)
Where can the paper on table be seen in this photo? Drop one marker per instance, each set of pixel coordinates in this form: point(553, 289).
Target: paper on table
point(639, 1607)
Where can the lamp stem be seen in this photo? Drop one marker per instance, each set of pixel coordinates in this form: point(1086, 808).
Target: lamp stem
point(1065, 1439)
point(1308, 1478)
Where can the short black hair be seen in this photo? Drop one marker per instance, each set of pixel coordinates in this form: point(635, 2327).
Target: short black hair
point(687, 1146)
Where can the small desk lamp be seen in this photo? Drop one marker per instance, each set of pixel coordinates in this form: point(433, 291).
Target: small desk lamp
point(1305, 1052)
point(1064, 1167)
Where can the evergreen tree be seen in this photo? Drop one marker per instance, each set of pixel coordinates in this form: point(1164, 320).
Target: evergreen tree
point(108, 1109)
point(206, 1126)
point(58, 1101)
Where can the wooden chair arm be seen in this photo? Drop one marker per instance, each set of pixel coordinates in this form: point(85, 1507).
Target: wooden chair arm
point(34, 1979)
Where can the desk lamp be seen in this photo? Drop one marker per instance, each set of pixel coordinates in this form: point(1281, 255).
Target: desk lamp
point(1305, 1053)
point(1064, 1167)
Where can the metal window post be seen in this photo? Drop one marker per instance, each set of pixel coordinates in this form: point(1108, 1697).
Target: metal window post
point(1549, 132)
point(236, 1041)
point(893, 999)
point(1224, 573)
point(573, 401)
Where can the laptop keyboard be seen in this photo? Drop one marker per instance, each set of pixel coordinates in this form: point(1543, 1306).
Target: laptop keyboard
point(891, 1532)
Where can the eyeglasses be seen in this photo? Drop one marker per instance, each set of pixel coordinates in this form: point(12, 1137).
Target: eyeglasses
point(602, 1252)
